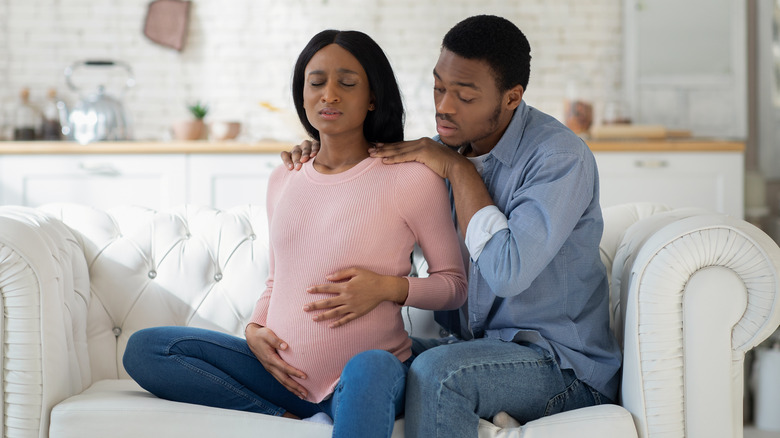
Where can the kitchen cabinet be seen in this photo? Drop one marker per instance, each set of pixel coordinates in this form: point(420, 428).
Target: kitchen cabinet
point(224, 181)
point(710, 180)
point(685, 173)
point(102, 181)
point(149, 174)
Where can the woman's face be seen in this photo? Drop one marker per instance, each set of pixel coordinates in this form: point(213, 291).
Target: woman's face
point(336, 94)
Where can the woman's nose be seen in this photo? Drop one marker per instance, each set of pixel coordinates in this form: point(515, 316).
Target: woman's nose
point(330, 94)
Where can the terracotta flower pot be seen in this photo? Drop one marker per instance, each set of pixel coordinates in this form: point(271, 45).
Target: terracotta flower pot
point(189, 130)
point(224, 130)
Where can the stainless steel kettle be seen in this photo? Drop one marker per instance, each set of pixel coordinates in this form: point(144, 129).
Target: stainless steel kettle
point(96, 116)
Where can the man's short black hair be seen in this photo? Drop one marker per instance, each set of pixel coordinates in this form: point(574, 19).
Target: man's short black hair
point(497, 41)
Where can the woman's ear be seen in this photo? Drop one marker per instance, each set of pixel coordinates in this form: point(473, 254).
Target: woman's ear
point(513, 97)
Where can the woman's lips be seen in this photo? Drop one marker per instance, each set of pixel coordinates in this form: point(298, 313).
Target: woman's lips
point(330, 113)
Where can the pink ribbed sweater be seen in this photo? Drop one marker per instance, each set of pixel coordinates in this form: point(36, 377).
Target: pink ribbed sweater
point(369, 217)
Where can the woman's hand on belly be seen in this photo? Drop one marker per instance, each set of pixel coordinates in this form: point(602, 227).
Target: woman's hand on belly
point(264, 344)
point(355, 292)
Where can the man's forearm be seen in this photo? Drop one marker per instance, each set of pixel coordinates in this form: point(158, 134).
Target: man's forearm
point(469, 193)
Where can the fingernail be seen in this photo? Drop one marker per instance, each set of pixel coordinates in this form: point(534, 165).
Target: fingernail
point(283, 345)
point(305, 308)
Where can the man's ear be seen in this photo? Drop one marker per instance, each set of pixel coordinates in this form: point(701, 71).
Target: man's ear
point(513, 97)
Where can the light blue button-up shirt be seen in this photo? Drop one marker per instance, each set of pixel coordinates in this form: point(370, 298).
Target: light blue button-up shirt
point(535, 272)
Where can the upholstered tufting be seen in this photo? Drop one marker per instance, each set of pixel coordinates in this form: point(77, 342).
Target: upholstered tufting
point(190, 266)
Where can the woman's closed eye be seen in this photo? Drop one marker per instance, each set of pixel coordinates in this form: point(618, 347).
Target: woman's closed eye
point(342, 83)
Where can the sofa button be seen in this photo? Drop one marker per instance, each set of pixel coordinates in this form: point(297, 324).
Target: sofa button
point(152, 274)
point(218, 276)
point(252, 237)
point(117, 331)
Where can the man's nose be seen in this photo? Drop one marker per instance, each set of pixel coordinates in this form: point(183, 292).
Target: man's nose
point(445, 104)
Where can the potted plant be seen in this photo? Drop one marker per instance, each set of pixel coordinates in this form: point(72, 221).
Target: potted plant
point(193, 129)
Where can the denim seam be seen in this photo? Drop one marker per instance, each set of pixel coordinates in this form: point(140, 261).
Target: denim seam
point(276, 410)
point(401, 381)
point(536, 362)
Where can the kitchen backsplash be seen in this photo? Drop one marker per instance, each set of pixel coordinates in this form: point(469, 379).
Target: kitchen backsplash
point(240, 53)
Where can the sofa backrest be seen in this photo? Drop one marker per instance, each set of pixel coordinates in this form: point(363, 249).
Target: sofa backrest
point(190, 266)
point(196, 266)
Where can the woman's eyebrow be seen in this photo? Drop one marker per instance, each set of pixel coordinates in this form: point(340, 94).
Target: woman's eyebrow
point(341, 70)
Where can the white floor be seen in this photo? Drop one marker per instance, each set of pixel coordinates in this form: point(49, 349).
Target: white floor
point(752, 432)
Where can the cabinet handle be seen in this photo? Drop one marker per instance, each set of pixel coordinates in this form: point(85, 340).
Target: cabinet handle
point(651, 164)
point(99, 168)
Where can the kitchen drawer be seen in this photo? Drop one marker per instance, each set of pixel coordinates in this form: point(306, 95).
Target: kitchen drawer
point(227, 180)
point(711, 180)
point(103, 181)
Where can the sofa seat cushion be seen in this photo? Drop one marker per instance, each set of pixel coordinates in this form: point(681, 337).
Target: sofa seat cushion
point(603, 421)
point(120, 408)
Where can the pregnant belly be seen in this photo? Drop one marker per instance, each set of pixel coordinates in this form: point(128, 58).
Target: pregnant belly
point(321, 352)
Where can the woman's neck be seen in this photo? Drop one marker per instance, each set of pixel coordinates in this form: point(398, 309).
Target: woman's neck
point(339, 154)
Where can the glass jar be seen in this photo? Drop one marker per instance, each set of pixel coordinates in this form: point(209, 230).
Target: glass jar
point(27, 119)
point(51, 129)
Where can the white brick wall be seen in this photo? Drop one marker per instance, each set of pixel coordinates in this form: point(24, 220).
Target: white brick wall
point(241, 52)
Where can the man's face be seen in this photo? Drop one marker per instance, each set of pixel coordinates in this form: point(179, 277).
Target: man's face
point(470, 108)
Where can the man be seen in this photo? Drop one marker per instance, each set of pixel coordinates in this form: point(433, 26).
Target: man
point(533, 338)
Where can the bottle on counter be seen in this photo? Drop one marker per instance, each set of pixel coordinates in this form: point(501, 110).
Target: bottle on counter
point(51, 128)
point(27, 118)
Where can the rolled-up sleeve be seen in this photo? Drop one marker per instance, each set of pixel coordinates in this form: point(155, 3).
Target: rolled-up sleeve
point(483, 225)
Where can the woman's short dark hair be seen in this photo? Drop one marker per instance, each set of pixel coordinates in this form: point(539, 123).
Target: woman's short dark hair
point(497, 41)
point(386, 122)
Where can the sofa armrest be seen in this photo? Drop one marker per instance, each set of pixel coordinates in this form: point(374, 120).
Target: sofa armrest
point(44, 289)
point(692, 292)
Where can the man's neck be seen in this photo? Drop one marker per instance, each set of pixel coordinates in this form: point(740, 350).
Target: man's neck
point(485, 145)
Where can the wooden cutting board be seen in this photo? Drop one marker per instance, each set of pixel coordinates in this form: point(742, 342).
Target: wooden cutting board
point(626, 131)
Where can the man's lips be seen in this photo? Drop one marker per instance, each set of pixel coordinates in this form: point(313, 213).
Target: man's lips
point(445, 129)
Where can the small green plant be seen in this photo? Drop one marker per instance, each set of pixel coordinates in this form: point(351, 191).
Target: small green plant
point(199, 110)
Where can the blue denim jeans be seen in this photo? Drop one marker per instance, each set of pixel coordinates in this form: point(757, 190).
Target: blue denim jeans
point(210, 368)
point(452, 384)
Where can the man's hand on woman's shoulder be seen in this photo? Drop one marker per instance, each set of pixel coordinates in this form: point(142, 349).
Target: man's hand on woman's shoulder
point(300, 154)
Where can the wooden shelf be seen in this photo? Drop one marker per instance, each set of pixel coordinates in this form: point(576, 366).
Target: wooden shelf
point(233, 147)
point(142, 147)
point(671, 145)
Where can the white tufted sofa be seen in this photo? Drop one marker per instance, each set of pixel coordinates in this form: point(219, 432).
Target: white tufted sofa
point(691, 292)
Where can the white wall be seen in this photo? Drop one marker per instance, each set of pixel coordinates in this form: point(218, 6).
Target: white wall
point(241, 52)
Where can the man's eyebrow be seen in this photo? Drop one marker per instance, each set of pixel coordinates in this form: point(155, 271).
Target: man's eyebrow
point(459, 84)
